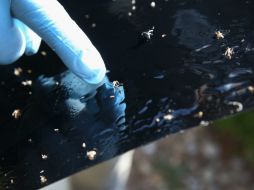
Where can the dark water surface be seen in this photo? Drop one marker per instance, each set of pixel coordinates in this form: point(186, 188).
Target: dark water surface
point(172, 80)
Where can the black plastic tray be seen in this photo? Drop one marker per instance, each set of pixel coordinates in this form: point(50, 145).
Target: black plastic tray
point(177, 79)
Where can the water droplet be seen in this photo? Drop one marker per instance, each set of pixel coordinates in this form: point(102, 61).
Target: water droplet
point(168, 117)
point(27, 83)
point(251, 89)
point(159, 77)
point(153, 4)
point(43, 179)
point(91, 154)
point(43, 53)
point(44, 156)
point(204, 123)
point(199, 114)
point(16, 113)
point(18, 71)
point(163, 35)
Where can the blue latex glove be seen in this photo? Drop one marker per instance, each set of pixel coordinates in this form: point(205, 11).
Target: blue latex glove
point(51, 22)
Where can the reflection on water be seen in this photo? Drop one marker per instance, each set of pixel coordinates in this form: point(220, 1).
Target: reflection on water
point(179, 78)
point(192, 29)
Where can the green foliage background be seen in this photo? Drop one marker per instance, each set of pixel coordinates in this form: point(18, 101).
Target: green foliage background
point(239, 130)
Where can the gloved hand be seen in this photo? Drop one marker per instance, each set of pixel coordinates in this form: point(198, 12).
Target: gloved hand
point(15, 37)
point(52, 23)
